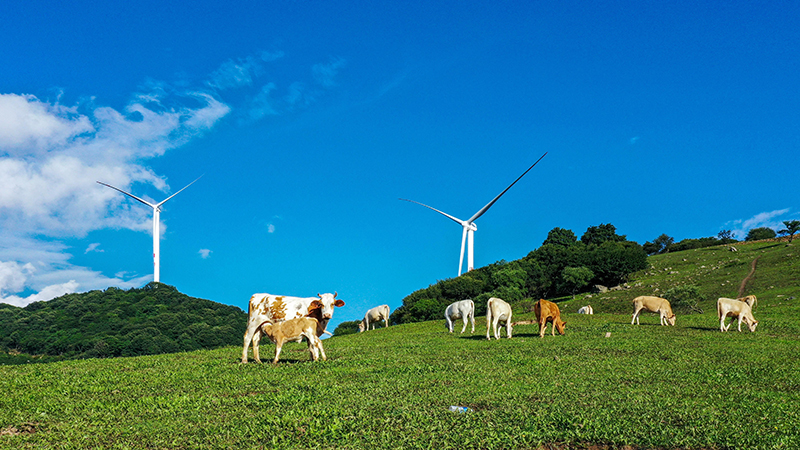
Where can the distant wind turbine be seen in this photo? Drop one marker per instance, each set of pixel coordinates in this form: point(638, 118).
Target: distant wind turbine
point(156, 225)
point(469, 227)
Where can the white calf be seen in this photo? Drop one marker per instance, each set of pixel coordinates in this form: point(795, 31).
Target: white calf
point(498, 311)
point(294, 330)
point(653, 304)
point(464, 310)
point(374, 315)
point(735, 308)
point(586, 310)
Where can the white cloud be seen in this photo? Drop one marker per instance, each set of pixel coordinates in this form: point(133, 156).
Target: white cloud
point(769, 219)
point(324, 74)
point(205, 253)
point(93, 247)
point(270, 228)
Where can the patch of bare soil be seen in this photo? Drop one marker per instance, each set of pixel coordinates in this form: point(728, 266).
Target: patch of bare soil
point(25, 428)
point(748, 277)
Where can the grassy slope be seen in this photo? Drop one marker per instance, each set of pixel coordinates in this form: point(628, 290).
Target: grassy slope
point(649, 386)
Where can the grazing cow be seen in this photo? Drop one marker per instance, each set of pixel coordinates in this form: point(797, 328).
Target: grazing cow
point(294, 330)
point(464, 310)
point(735, 308)
point(374, 315)
point(275, 308)
point(498, 311)
point(548, 312)
point(586, 310)
point(653, 304)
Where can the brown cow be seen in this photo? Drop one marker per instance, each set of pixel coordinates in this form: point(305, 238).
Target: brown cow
point(653, 304)
point(548, 312)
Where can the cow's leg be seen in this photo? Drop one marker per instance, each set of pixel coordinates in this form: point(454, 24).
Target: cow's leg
point(321, 349)
point(472, 321)
point(464, 328)
point(636, 315)
point(249, 337)
point(256, 340)
point(722, 324)
point(278, 347)
point(508, 326)
point(386, 322)
point(741, 316)
point(488, 323)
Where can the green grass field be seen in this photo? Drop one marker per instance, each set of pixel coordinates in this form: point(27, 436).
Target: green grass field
point(647, 386)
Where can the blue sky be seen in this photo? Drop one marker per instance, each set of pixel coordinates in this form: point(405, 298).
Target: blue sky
point(309, 120)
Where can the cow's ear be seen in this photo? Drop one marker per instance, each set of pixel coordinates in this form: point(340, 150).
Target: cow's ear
point(338, 302)
point(316, 304)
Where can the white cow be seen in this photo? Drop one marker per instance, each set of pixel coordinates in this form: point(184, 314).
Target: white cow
point(653, 304)
point(374, 315)
point(464, 310)
point(586, 310)
point(275, 308)
point(735, 308)
point(498, 311)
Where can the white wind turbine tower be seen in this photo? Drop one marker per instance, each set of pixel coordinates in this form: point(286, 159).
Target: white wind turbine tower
point(156, 225)
point(469, 227)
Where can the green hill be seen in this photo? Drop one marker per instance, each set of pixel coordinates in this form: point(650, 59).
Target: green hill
point(606, 384)
point(151, 320)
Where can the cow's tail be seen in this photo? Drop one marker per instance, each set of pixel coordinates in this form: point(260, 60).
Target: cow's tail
point(719, 308)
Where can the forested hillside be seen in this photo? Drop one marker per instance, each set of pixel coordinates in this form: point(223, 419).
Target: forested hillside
point(151, 320)
point(562, 265)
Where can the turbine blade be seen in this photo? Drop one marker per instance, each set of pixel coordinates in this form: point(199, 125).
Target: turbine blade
point(129, 195)
point(458, 221)
point(461, 258)
point(489, 205)
point(173, 195)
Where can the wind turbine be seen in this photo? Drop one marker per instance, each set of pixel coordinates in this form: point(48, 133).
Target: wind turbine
point(156, 225)
point(469, 227)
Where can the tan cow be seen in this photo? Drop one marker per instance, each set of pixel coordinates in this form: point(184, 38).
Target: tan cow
point(735, 308)
point(653, 304)
point(498, 311)
point(548, 312)
point(294, 330)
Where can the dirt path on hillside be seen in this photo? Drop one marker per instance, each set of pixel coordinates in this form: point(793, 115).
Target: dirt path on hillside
point(748, 277)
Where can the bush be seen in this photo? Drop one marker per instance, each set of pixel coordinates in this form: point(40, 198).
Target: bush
point(684, 298)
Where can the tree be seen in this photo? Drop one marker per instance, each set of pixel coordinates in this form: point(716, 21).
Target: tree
point(792, 227)
point(560, 236)
point(344, 328)
point(757, 234)
point(576, 277)
point(659, 245)
point(602, 233)
point(727, 236)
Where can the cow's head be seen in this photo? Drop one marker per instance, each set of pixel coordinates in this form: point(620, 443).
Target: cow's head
point(361, 327)
point(560, 324)
point(671, 320)
point(751, 324)
point(329, 301)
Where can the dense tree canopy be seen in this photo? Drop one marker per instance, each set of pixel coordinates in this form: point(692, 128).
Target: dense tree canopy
point(115, 322)
point(757, 234)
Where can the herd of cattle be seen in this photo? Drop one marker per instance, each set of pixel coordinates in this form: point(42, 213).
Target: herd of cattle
point(290, 319)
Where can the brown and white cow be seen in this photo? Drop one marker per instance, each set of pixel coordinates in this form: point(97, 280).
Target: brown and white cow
point(374, 315)
point(294, 330)
point(548, 312)
point(277, 308)
point(498, 311)
point(735, 308)
point(653, 304)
